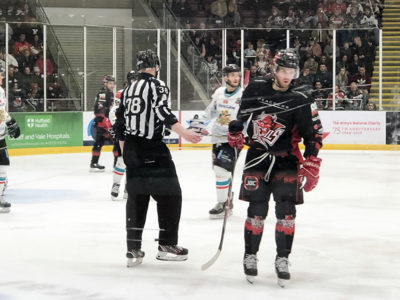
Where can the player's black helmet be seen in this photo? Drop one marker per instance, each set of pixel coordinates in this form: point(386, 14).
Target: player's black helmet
point(230, 69)
point(287, 58)
point(147, 59)
point(108, 78)
point(132, 75)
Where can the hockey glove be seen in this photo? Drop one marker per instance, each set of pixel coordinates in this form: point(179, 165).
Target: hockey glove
point(235, 134)
point(309, 170)
point(13, 129)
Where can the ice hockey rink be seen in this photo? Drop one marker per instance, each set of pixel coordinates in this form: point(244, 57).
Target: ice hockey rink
point(65, 239)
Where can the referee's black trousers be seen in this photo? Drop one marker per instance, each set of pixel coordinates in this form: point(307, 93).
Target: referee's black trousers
point(151, 172)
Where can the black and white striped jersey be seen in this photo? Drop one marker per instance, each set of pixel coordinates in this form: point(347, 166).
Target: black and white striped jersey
point(144, 109)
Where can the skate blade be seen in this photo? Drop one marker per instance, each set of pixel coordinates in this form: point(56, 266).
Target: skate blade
point(170, 257)
point(220, 216)
point(96, 170)
point(125, 196)
point(4, 210)
point(282, 282)
point(132, 262)
point(250, 279)
point(114, 198)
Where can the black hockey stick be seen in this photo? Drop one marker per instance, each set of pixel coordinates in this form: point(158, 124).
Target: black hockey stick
point(221, 241)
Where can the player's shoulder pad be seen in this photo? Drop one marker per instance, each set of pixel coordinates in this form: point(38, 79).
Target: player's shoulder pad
point(160, 86)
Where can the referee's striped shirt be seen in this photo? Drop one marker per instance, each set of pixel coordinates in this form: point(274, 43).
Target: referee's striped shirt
point(144, 109)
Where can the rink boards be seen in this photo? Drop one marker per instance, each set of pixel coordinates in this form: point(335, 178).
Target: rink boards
point(69, 132)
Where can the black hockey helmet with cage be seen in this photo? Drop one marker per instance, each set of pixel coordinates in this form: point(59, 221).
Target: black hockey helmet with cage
point(147, 59)
point(108, 78)
point(132, 75)
point(287, 58)
point(231, 68)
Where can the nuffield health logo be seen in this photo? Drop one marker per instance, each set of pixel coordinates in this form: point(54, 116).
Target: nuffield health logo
point(41, 122)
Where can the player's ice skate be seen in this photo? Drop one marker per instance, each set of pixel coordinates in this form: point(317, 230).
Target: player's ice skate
point(218, 211)
point(115, 191)
point(282, 270)
point(250, 267)
point(125, 196)
point(4, 206)
point(95, 167)
point(135, 257)
point(172, 253)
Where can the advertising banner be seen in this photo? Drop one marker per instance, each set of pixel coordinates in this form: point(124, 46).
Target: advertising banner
point(354, 127)
point(40, 130)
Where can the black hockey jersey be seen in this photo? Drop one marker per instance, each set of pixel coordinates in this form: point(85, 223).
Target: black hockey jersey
point(276, 121)
point(103, 102)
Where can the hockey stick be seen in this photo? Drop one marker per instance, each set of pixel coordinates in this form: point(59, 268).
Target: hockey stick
point(228, 204)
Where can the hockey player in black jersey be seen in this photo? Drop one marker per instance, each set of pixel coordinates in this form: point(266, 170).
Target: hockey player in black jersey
point(142, 116)
point(102, 105)
point(277, 118)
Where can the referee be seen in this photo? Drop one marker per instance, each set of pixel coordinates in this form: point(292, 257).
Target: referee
point(143, 114)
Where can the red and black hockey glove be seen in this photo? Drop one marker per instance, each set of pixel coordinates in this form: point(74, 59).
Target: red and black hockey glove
point(309, 170)
point(235, 134)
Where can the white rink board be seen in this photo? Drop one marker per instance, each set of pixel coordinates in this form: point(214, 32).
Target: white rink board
point(354, 127)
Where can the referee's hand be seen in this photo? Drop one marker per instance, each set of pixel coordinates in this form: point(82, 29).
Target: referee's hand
point(191, 136)
point(188, 134)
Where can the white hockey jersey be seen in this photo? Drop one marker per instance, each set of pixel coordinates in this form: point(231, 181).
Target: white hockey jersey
point(4, 116)
point(111, 116)
point(222, 109)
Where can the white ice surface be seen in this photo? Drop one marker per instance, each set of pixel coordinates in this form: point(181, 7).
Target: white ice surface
point(65, 238)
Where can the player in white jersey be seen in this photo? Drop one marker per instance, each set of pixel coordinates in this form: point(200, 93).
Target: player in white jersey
point(119, 166)
point(223, 109)
point(6, 122)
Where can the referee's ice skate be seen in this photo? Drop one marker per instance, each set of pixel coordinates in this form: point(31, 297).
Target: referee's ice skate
point(135, 257)
point(172, 253)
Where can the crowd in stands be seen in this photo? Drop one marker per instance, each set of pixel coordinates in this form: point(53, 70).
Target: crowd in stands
point(311, 25)
point(25, 58)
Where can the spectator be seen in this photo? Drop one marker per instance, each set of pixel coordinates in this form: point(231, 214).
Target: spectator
point(339, 100)
point(338, 18)
point(37, 46)
point(212, 49)
point(346, 50)
point(371, 106)
point(249, 51)
point(13, 77)
point(33, 28)
point(261, 64)
point(253, 73)
point(275, 18)
point(359, 48)
point(338, 4)
point(328, 50)
point(219, 10)
point(355, 6)
point(312, 65)
point(342, 79)
point(370, 55)
point(198, 43)
point(37, 77)
point(40, 63)
point(324, 76)
point(35, 97)
point(320, 17)
point(327, 62)
point(320, 95)
point(362, 79)
point(25, 59)
point(302, 33)
point(353, 69)
point(16, 98)
point(343, 63)
point(305, 78)
point(368, 20)
point(2, 61)
point(355, 97)
point(21, 44)
point(233, 12)
point(314, 47)
point(320, 35)
point(354, 17)
point(26, 79)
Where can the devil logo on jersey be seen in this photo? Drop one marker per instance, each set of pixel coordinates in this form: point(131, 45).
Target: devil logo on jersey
point(266, 130)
